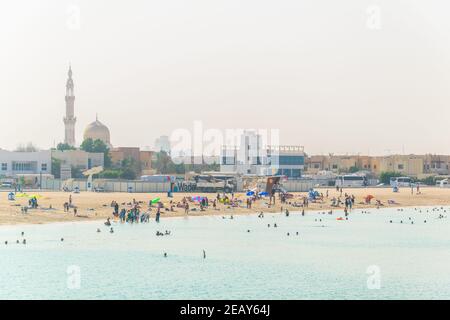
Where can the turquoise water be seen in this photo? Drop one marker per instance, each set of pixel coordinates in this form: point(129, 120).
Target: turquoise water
point(327, 260)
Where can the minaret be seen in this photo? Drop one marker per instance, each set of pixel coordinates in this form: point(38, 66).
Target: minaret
point(69, 119)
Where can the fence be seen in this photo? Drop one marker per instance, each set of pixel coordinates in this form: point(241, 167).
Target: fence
point(149, 187)
point(107, 185)
point(298, 185)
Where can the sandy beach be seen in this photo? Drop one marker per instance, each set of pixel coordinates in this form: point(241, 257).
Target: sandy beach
point(96, 206)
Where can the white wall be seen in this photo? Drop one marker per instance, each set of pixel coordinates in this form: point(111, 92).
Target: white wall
point(38, 158)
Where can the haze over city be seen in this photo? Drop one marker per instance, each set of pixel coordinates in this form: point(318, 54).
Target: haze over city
point(317, 71)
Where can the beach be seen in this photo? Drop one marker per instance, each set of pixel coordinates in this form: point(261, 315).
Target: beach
point(97, 206)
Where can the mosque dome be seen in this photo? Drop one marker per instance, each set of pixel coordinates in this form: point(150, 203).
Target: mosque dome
point(97, 130)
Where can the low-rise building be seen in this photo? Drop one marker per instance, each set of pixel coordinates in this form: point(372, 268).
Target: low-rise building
point(408, 165)
point(13, 164)
point(79, 159)
point(142, 158)
point(252, 157)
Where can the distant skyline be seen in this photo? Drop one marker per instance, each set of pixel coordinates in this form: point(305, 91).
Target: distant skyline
point(352, 76)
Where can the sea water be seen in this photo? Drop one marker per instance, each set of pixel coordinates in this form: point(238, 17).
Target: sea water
point(364, 257)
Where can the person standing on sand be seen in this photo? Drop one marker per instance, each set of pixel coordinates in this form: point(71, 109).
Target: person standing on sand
point(70, 200)
point(158, 214)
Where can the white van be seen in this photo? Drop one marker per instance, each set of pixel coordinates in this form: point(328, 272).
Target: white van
point(351, 180)
point(401, 181)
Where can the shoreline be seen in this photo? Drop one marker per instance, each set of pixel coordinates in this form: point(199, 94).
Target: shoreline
point(294, 212)
point(96, 206)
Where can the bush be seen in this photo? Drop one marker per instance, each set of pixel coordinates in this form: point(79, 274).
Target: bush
point(385, 177)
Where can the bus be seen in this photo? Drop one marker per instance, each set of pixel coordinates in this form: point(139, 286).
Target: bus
point(401, 181)
point(351, 180)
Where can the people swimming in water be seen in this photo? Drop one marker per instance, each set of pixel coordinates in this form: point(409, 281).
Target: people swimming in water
point(108, 222)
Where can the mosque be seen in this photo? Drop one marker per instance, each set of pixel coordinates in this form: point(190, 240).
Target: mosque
point(95, 130)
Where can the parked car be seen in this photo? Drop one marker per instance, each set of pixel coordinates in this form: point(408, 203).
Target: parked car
point(6, 185)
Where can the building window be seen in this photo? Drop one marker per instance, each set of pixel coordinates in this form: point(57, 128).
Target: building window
point(296, 173)
point(400, 167)
point(44, 167)
point(4, 166)
point(24, 166)
point(334, 166)
point(291, 160)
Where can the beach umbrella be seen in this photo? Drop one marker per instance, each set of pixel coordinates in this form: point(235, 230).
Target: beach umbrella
point(263, 194)
point(250, 193)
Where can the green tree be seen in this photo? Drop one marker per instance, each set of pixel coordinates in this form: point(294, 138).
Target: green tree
point(128, 174)
point(385, 177)
point(87, 145)
point(110, 174)
point(76, 172)
point(97, 146)
point(56, 168)
point(430, 181)
point(163, 163)
point(354, 169)
point(64, 146)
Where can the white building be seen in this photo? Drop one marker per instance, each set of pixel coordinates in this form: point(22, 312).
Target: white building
point(253, 157)
point(13, 164)
point(162, 144)
point(79, 159)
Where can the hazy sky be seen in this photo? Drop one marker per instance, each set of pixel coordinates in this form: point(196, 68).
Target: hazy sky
point(333, 76)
